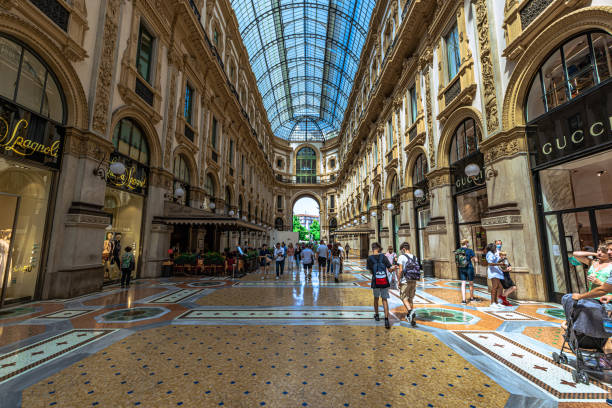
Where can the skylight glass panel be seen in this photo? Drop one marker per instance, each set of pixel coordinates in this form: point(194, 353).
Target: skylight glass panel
point(304, 55)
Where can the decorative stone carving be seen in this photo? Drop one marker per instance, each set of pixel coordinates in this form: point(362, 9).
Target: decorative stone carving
point(532, 10)
point(430, 129)
point(488, 78)
point(171, 116)
point(505, 149)
point(105, 70)
point(439, 180)
point(502, 221)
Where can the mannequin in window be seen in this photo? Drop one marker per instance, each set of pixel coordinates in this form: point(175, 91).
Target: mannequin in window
point(107, 250)
point(116, 252)
point(5, 240)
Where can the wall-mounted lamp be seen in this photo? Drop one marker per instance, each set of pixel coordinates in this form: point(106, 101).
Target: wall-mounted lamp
point(231, 213)
point(373, 214)
point(421, 195)
point(472, 171)
point(178, 194)
point(212, 205)
point(390, 206)
point(117, 168)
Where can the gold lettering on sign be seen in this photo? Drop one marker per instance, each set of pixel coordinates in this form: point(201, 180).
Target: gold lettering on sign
point(600, 126)
point(576, 140)
point(23, 146)
point(547, 150)
point(127, 179)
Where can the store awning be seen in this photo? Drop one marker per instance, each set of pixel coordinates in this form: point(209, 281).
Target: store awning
point(224, 223)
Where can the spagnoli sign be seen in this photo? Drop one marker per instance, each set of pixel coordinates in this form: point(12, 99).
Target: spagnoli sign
point(580, 126)
point(24, 135)
point(133, 180)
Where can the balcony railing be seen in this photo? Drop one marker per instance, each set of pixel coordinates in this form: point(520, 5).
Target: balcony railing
point(306, 179)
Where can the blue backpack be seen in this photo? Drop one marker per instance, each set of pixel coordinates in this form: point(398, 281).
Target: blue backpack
point(380, 278)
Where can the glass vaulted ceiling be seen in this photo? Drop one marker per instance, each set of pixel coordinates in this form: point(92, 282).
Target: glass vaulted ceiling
point(304, 55)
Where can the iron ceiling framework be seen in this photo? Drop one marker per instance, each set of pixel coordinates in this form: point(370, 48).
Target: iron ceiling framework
point(305, 55)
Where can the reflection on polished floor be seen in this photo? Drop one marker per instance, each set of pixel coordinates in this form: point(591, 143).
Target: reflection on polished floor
point(204, 342)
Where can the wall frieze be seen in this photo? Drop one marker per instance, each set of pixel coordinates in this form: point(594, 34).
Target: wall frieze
point(504, 145)
point(502, 221)
point(488, 76)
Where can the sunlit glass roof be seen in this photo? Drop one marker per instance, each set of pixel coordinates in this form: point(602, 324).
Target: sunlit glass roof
point(304, 55)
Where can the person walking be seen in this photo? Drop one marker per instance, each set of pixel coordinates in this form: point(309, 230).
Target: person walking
point(284, 247)
point(298, 251)
point(495, 274)
point(279, 256)
point(307, 260)
point(464, 259)
point(600, 265)
point(342, 256)
point(264, 260)
point(127, 266)
point(322, 253)
point(329, 257)
point(290, 257)
point(378, 264)
point(347, 248)
point(507, 283)
point(408, 274)
point(335, 262)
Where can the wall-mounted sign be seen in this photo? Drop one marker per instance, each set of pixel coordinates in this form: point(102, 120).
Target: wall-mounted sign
point(581, 125)
point(25, 135)
point(133, 180)
point(461, 182)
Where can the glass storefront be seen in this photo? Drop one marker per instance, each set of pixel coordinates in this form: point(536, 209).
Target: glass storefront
point(24, 199)
point(126, 211)
point(471, 208)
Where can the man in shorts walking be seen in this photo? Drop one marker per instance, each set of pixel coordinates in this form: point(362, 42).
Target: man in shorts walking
point(307, 260)
point(378, 264)
point(408, 275)
point(322, 253)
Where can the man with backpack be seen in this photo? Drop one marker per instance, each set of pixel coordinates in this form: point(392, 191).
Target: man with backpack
point(464, 258)
point(409, 274)
point(378, 264)
point(127, 266)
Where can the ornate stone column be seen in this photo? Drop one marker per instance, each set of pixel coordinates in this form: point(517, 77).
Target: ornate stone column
point(441, 230)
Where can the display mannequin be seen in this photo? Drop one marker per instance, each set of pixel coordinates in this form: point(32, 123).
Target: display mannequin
point(107, 250)
point(5, 241)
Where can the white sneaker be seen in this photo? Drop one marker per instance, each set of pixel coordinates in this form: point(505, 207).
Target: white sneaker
point(277, 278)
point(496, 306)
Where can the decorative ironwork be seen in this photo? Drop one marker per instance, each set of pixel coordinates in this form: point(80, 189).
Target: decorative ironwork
point(532, 10)
point(452, 92)
point(55, 11)
point(144, 92)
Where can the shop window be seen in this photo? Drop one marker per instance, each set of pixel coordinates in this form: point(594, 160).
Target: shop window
point(188, 104)
point(464, 142)
point(279, 202)
point(144, 56)
point(420, 170)
point(576, 66)
point(181, 179)
point(129, 140)
point(453, 55)
point(27, 81)
point(306, 171)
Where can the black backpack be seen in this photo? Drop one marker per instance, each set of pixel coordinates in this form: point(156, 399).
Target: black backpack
point(412, 268)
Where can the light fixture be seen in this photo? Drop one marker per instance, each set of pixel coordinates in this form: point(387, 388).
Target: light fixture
point(390, 206)
point(231, 213)
point(473, 172)
point(373, 214)
point(363, 218)
point(419, 193)
point(212, 205)
point(179, 192)
point(116, 168)
point(601, 173)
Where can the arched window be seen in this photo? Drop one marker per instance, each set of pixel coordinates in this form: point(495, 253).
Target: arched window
point(465, 141)
point(579, 64)
point(27, 81)
point(394, 187)
point(228, 200)
point(129, 141)
point(279, 224)
point(209, 186)
point(306, 166)
point(181, 179)
point(420, 170)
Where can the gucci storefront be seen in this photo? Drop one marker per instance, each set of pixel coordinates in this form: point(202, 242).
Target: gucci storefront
point(31, 144)
point(569, 114)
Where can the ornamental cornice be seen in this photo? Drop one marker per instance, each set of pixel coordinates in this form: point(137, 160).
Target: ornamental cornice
point(439, 178)
point(504, 145)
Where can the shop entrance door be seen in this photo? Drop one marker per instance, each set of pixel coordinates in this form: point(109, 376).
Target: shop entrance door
point(580, 229)
point(363, 246)
point(8, 217)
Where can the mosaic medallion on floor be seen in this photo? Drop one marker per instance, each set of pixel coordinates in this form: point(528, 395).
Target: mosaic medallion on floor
point(446, 316)
point(132, 314)
point(24, 359)
point(271, 366)
point(541, 370)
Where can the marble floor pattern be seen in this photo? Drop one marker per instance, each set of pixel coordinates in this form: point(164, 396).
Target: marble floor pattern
point(292, 342)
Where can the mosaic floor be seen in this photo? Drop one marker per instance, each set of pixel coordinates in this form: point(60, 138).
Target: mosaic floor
point(202, 342)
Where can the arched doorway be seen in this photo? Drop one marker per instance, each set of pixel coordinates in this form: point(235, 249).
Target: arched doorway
point(307, 218)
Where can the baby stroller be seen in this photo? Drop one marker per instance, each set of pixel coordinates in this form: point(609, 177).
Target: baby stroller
point(586, 334)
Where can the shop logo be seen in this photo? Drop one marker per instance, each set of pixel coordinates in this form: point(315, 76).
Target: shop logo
point(127, 180)
point(576, 138)
point(12, 141)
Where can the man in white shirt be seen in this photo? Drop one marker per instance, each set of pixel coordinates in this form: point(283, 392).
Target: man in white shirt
point(307, 260)
point(279, 256)
point(408, 276)
point(342, 255)
point(322, 253)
